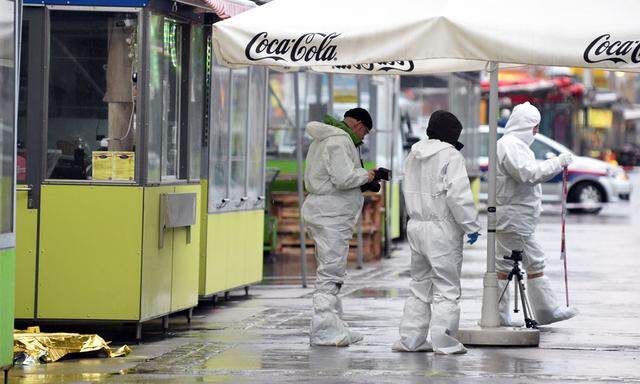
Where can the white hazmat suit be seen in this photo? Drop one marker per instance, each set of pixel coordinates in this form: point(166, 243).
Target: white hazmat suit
point(441, 210)
point(519, 204)
point(333, 177)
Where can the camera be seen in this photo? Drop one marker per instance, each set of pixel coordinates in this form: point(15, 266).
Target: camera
point(374, 185)
point(516, 255)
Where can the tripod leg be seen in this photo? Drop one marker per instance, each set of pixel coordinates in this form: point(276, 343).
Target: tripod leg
point(526, 309)
point(506, 287)
point(516, 287)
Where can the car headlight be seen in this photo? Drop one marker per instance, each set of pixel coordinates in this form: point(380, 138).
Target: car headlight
point(621, 174)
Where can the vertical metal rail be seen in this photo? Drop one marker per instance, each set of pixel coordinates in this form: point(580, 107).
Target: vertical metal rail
point(299, 133)
point(360, 253)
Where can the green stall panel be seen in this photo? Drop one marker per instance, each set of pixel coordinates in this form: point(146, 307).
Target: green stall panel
point(186, 252)
point(26, 249)
point(90, 261)
point(7, 293)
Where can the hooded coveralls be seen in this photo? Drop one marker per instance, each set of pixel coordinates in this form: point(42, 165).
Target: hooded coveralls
point(519, 204)
point(333, 176)
point(441, 210)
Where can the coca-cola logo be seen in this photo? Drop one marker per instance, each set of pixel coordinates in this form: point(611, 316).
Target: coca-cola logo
point(602, 48)
point(385, 66)
point(313, 46)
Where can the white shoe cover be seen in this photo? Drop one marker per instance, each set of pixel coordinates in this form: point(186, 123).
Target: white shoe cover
point(444, 325)
point(544, 304)
point(414, 326)
point(504, 306)
point(327, 328)
point(398, 346)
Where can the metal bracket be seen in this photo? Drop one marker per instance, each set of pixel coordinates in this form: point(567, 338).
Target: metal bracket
point(31, 204)
point(177, 210)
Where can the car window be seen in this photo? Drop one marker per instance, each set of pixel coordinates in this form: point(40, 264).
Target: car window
point(541, 149)
point(484, 144)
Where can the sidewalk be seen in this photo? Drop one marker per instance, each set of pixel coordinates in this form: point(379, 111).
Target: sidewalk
point(264, 339)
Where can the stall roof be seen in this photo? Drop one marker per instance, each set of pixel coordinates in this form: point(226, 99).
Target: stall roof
point(91, 3)
point(223, 8)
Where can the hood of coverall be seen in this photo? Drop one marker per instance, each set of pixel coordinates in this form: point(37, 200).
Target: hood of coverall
point(321, 131)
point(428, 147)
point(521, 122)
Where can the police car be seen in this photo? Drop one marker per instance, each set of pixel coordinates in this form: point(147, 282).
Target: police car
point(592, 182)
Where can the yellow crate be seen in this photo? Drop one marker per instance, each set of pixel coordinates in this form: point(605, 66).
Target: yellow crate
point(113, 165)
point(102, 165)
point(124, 165)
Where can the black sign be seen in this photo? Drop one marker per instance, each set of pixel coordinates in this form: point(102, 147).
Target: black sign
point(385, 66)
point(313, 46)
point(603, 48)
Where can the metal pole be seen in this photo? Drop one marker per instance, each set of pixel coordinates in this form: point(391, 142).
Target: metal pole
point(390, 206)
point(330, 86)
point(360, 254)
point(490, 293)
point(299, 133)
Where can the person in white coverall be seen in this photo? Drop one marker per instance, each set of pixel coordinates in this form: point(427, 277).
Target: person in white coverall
point(333, 176)
point(519, 203)
point(441, 211)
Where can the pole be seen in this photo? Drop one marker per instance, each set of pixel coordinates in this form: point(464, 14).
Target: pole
point(303, 244)
point(490, 293)
point(360, 254)
point(563, 241)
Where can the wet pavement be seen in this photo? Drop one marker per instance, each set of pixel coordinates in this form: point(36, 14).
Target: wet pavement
point(264, 338)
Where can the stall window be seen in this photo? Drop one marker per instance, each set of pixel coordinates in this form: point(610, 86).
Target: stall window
point(7, 104)
point(171, 72)
point(154, 114)
point(196, 98)
point(219, 143)
point(255, 154)
point(238, 143)
point(91, 93)
point(238, 114)
point(21, 155)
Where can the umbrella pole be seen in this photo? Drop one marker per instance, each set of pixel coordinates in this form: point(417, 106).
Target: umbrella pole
point(490, 294)
point(490, 332)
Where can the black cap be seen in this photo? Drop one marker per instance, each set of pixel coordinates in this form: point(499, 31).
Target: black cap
point(445, 126)
point(360, 114)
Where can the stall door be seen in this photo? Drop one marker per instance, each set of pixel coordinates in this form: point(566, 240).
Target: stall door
point(31, 108)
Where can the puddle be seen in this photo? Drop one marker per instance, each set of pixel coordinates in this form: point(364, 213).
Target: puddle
point(379, 293)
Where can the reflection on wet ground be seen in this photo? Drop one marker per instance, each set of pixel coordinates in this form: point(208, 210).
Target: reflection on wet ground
point(263, 338)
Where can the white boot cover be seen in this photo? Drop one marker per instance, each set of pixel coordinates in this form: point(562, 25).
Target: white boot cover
point(414, 327)
point(504, 306)
point(327, 328)
point(444, 325)
point(544, 304)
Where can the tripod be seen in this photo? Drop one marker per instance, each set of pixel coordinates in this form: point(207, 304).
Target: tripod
point(518, 289)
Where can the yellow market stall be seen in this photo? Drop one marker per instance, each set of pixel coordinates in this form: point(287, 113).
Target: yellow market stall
point(9, 18)
point(233, 216)
point(111, 113)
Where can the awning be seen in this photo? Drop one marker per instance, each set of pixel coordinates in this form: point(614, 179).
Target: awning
point(431, 35)
point(228, 8)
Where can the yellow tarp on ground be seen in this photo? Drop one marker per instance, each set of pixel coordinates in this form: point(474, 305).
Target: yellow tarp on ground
point(50, 347)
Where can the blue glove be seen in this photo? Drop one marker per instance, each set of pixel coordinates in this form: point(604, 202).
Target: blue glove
point(472, 237)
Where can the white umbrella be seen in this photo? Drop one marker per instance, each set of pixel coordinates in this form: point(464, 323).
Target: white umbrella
point(427, 36)
point(302, 33)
